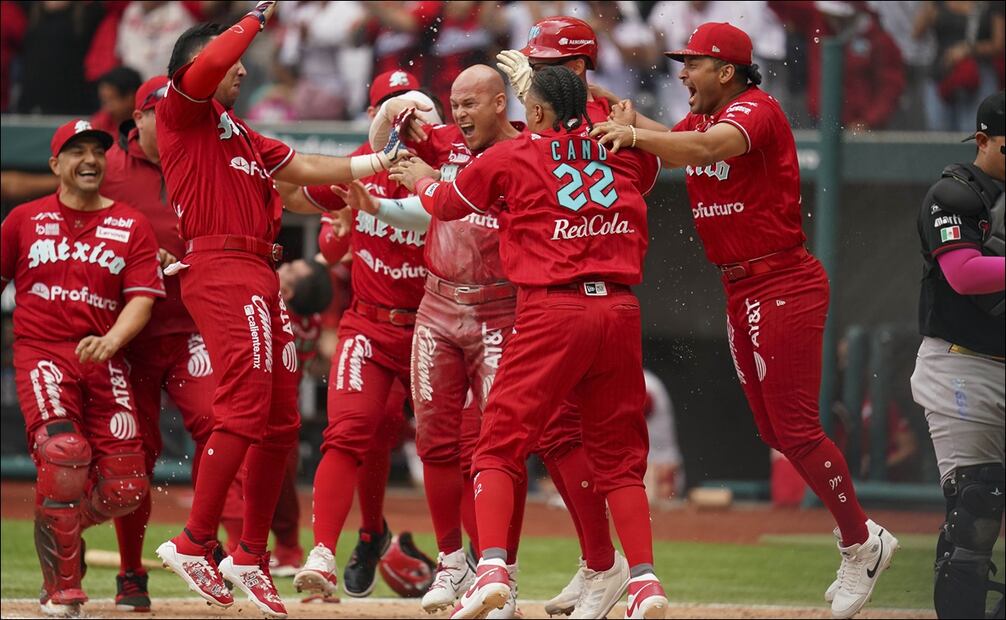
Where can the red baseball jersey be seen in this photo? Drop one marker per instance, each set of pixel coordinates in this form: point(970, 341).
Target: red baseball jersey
point(747, 206)
point(388, 266)
point(464, 251)
point(598, 110)
point(131, 178)
point(218, 170)
point(570, 210)
point(73, 271)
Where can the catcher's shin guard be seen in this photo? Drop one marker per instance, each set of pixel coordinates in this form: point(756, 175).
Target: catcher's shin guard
point(964, 552)
point(58, 543)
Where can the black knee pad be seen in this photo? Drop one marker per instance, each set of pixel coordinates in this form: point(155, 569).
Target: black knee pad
point(975, 497)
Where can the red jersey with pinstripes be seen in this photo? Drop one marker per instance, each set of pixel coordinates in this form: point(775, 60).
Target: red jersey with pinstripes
point(747, 206)
point(74, 271)
point(218, 170)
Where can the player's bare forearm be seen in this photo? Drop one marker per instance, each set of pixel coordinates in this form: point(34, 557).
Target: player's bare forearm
point(642, 122)
point(315, 170)
point(131, 321)
point(693, 148)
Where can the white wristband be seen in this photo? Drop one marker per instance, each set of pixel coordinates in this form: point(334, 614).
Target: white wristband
point(362, 166)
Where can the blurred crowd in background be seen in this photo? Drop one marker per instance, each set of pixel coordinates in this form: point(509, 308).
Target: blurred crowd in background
point(908, 65)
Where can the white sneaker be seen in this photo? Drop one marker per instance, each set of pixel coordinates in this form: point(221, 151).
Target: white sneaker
point(489, 590)
point(602, 589)
point(319, 573)
point(564, 602)
point(452, 578)
point(861, 566)
point(509, 609)
point(829, 594)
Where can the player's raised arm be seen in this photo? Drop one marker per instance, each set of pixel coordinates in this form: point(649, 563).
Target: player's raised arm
point(681, 148)
point(201, 79)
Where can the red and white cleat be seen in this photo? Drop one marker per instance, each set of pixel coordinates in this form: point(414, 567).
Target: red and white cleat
point(646, 598)
point(319, 573)
point(490, 590)
point(200, 572)
point(256, 582)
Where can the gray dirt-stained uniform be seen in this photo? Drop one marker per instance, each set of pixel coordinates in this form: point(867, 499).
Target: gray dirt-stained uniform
point(958, 380)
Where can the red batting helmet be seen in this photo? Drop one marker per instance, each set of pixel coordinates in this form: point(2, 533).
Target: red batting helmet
point(562, 37)
point(406, 569)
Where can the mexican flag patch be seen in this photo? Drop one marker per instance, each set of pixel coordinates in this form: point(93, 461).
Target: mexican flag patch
point(950, 233)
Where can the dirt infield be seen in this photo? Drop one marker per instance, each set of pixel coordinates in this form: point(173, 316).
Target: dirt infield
point(407, 510)
point(392, 608)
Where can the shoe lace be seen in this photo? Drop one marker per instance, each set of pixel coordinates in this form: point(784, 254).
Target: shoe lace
point(321, 554)
point(133, 584)
point(849, 573)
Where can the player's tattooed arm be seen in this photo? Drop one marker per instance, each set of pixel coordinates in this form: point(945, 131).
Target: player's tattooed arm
point(131, 320)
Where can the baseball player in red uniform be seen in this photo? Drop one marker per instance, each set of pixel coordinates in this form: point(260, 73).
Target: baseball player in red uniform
point(572, 237)
point(86, 272)
point(169, 354)
point(375, 338)
point(743, 181)
point(219, 174)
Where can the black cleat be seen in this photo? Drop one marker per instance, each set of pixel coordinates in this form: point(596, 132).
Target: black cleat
point(360, 575)
point(131, 592)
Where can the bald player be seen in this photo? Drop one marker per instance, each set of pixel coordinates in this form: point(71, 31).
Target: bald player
point(474, 89)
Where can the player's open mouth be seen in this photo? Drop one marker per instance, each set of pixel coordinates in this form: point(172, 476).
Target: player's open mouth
point(467, 129)
point(88, 174)
point(691, 95)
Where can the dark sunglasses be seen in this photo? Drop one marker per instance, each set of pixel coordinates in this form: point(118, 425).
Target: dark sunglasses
point(154, 96)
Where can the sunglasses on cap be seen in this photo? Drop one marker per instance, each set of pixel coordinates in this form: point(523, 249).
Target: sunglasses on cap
point(154, 97)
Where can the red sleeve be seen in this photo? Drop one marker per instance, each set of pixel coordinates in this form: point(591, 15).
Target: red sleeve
point(9, 246)
point(755, 120)
point(648, 171)
point(475, 190)
point(331, 246)
point(275, 154)
point(178, 110)
point(142, 275)
point(212, 64)
point(323, 197)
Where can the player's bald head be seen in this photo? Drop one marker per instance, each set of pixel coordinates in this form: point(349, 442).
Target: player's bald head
point(481, 79)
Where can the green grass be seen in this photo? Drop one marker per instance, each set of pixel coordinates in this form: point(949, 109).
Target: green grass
point(781, 570)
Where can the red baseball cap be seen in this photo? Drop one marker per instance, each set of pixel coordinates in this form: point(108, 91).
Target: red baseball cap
point(150, 92)
point(392, 83)
point(555, 38)
point(717, 40)
point(75, 129)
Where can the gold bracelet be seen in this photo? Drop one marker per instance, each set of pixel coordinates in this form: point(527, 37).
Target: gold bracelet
point(633, 145)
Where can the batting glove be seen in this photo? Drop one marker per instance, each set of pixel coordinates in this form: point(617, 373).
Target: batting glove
point(365, 165)
point(263, 11)
point(516, 67)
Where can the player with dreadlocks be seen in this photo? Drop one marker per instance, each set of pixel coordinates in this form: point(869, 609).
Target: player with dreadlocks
point(573, 235)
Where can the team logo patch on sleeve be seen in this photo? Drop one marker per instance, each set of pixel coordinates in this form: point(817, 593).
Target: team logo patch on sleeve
point(950, 233)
